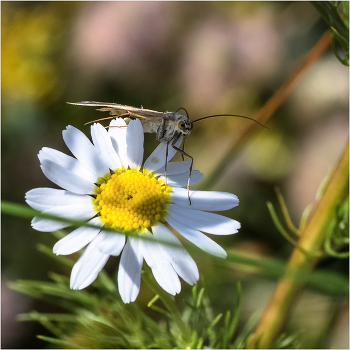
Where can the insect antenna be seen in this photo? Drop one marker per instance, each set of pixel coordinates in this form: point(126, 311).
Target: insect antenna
point(184, 110)
point(231, 115)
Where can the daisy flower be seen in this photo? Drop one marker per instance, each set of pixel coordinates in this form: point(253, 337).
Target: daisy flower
point(107, 185)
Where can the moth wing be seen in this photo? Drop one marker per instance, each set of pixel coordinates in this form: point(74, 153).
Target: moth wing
point(118, 109)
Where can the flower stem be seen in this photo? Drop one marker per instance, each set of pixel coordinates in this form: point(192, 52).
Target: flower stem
point(277, 310)
point(168, 302)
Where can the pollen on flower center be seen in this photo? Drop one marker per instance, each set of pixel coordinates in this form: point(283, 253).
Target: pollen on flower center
point(131, 200)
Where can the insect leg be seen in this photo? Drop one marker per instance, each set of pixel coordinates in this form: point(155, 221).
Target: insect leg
point(189, 177)
point(106, 118)
point(166, 161)
point(183, 149)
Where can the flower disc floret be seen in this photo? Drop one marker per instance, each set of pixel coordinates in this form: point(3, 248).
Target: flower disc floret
point(131, 200)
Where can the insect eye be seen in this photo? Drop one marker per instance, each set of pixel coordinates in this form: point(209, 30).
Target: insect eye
point(182, 125)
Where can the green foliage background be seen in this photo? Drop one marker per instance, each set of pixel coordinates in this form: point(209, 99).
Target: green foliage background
point(211, 58)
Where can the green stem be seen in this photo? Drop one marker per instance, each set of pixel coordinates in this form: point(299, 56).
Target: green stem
point(331, 16)
point(285, 212)
point(277, 310)
point(168, 302)
point(279, 226)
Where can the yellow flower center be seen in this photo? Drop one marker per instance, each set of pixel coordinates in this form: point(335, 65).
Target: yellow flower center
point(131, 200)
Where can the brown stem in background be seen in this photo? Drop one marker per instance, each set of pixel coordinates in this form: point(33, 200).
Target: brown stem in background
point(269, 108)
point(278, 309)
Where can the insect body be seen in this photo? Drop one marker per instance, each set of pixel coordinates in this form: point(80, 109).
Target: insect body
point(168, 126)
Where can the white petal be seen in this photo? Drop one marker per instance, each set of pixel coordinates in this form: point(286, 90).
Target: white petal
point(84, 210)
point(84, 151)
point(129, 274)
point(203, 221)
point(45, 225)
point(204, 200)
point(179, 258)
point(77, 239)
point(103, 144)
point(76, 212)
point(174, 168)
point(134, 144)
point(67, 162)
point(117, 132)
point(65, 178)
point(111, 243)
point(162, 270)
point(158, 157)
point(88, 266)
point(181, 180)
point(44, 198)
point(196, 237)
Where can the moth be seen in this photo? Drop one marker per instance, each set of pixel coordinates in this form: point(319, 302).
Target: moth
point(168, 126)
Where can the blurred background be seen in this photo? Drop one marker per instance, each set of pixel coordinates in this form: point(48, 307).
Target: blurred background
point(209, 57)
